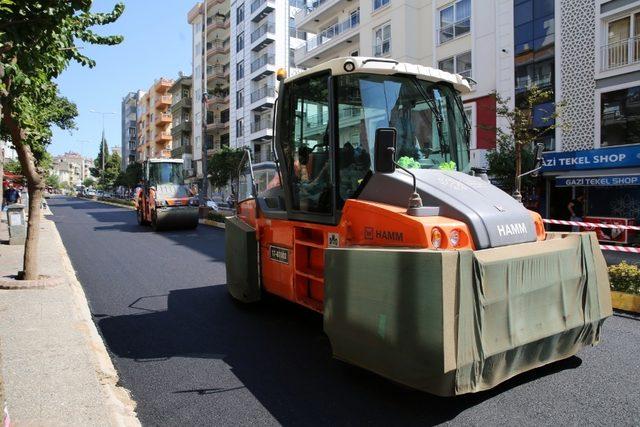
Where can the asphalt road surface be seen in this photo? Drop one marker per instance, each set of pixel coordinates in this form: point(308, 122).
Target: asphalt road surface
point(191, 356)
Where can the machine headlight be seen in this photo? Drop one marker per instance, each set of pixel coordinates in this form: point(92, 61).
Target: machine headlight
point(454, 238)
point(436, 237)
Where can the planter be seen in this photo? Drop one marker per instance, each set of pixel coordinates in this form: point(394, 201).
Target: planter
point(625, 302)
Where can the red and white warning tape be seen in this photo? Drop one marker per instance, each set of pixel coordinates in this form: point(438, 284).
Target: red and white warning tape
point(620, 249)
point(591, 224)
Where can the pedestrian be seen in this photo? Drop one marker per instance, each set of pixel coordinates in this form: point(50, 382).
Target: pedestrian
point(11, 196)
point(576, 211)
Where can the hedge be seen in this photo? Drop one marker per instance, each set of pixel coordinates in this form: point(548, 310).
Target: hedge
point(625, 278)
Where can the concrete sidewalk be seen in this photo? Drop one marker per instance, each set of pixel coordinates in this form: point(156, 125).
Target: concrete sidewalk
point(54, 368)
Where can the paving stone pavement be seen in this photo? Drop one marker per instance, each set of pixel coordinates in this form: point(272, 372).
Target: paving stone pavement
point(54, 367)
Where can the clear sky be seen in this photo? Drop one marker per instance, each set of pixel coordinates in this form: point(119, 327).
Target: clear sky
point(157, 43)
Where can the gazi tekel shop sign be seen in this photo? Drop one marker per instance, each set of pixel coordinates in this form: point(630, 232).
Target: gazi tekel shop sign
point(603, 158)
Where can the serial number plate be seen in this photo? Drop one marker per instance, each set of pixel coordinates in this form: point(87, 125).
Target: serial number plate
point(279, 254)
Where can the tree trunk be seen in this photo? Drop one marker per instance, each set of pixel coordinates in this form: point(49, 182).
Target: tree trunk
point(518, 152)
point(35, 184)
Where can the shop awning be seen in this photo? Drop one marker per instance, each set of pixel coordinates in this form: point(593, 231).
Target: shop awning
point(599, 178)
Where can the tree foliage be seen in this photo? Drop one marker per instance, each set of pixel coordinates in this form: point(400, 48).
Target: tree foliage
point(131, 176)
point(89, 182)
point(524, 125)
point(53, 181)
point(223, 165)
point(13, 166)
point(37, 42)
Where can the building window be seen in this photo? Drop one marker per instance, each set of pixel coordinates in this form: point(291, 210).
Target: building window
point(623, 42)
point(240, 13)
point(382, 40)
point(455, 20)
point(620, 117)
point(240, 42)
point(377, 4)
point(240, 70)
point(240, 98)
point(239, 128)
point(458, 64)
point(354, 53)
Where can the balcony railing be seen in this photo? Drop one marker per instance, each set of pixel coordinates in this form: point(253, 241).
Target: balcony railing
point(333, 31)
point(266, 59)
point(620, 54)
point(310, 6)
point(263, 92)
point(215, 71)
point(267, 27)
point(217, 21)
point(297, 34)
point(261, 125)
point(541, 81)
point(255, 5)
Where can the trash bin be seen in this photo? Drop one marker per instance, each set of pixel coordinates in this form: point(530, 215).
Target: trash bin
point(17, 224)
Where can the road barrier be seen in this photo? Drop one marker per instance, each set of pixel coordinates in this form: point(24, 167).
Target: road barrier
point(592, 225)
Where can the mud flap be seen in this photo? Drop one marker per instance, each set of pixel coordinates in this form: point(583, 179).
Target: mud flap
point(241, 246)
point(451, 322)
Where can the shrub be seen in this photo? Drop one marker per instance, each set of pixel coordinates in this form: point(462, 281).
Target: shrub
point(625, 278)
point(215, 216)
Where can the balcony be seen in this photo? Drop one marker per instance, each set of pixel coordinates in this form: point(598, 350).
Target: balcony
point(217, 97)
point(163, 101)
point(261, 130)
point(261, 8)
point(311, 16)
point(620, 54)
point(328, 43)
point(163, 136)
point(163, 119)
point(178, 152)
point(217, 124)
point(163, 85)
point(217, 22)
point(181, 127)
point(184, 102)
point(217, 47)
point(263, 35)
point(263, 98)
point(215, 72)
point(263, 66)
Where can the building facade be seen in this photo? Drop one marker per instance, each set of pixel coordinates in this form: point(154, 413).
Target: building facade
point(263, 38)
point(71, 168)
point(455, 36)
point(211, 47)
point(154, 121)
point(130, 111)
point(181, 129)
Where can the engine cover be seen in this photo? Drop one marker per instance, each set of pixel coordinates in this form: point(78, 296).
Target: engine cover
point(494, 217)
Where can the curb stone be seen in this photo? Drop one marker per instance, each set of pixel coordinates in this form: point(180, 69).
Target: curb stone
point(10, 282)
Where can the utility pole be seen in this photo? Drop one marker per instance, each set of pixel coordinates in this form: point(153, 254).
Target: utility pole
point(205, 96)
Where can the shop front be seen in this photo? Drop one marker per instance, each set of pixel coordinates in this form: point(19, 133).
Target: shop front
point(609, 180)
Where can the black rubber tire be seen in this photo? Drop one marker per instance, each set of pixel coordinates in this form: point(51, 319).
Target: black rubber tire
point(154, 221)
point(139, 217)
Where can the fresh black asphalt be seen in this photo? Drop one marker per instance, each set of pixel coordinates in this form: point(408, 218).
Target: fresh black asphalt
point(190, 355)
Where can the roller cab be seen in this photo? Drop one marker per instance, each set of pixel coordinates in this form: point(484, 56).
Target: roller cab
point(165, 201)
point(424, 273)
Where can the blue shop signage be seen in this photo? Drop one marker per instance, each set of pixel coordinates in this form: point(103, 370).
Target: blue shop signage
point(602, 181)
point(603, 158)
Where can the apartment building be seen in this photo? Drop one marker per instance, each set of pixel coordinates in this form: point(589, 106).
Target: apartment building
point(71, 168)
point(181, 128)
point(211, 47)
point(130, 111)
point(588, 54)
point(154, 121)
point(456, 36)
point(263, 38)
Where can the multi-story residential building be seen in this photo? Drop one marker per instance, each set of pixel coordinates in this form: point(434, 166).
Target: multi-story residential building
point(181, 129)
point(263, 37)
point(453, 35)
point(129, 127)
point(586, 55)
point(71, 168)
point(211, 49)
point(154, 122)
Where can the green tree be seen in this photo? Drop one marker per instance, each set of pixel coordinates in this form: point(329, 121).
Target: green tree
point(37, 42)
point(13, 166)
point(111, 171)
point(132, 175)
point(53, 181)
point(89, 182)
point(223, 165)
point(515, 141)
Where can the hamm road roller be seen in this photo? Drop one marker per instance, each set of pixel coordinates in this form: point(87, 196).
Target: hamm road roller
point(164, 200)
point(424, 273)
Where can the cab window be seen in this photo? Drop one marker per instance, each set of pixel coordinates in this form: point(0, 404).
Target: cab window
point(306, 144)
